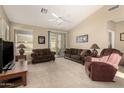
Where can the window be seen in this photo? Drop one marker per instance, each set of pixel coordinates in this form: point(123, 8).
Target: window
point(24, 37)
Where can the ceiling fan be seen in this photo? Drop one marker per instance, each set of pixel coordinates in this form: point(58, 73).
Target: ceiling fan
point(58, 19)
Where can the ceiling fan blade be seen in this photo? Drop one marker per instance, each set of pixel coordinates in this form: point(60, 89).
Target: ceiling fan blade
point(51, 19)
point(61, 18)
point(55, 15)
point(65, 20)
point(60, 23)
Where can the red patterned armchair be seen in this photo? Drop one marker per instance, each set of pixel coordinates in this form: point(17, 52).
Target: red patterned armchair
point(103, 68)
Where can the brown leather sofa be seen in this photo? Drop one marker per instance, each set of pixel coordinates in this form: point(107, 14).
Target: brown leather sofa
point(103, 68)
point(77, 55)
point(42, 55)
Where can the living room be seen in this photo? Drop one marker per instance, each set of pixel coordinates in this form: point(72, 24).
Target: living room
point(69, 36)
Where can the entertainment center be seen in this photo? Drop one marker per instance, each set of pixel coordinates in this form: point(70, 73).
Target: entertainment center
point(19, 70)
point(9, 69)
point(6, 55)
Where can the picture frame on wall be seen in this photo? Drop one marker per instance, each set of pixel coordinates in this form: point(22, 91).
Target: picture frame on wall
point(41, 39)
point(82, 39)
point(121, 36)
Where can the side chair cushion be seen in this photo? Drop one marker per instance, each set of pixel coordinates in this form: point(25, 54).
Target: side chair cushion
point(114, 60)
point(101, 59)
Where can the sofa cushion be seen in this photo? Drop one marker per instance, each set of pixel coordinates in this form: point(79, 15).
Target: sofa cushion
point(36, 51)
point(67, 51)
point(76, 57)
point(46, 51)
point(74, 51)
point(106, 52)
point(68, 55)
point(79, 51)
point(45, 56)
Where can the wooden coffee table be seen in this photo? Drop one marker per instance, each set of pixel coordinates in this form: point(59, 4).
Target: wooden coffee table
point(19, 70)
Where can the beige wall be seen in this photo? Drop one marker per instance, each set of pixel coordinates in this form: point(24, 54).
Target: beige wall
point(96, 26)
point(111, 25)
point(3, 15)
point(119, 29)
point(4, 23)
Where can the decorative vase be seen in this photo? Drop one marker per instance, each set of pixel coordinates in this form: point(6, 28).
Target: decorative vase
point(21, 51)
point(94, 53)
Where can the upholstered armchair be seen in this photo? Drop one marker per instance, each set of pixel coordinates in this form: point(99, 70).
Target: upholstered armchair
point(104, 67)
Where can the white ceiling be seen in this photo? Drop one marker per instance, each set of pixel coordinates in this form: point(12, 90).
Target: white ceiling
point(31, 14)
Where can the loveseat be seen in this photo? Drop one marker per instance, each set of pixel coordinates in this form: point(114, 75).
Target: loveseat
point(77, 55)
point(42, 55)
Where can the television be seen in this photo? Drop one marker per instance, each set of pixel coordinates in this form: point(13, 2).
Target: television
point(6, 54)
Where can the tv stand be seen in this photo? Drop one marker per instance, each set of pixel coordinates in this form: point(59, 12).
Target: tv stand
point(19, 70)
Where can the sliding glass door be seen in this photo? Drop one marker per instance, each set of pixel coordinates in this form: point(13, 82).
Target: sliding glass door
point(57, 42)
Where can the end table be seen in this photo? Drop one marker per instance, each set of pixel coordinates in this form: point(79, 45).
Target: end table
point(17, 57)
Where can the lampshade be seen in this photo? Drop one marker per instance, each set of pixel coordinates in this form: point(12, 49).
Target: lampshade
point(94, 46)
point(21, 46)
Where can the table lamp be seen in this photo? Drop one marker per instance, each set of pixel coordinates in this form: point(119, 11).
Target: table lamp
point(94, 51)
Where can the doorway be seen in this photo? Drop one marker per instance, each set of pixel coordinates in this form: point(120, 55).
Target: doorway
point(111, 39)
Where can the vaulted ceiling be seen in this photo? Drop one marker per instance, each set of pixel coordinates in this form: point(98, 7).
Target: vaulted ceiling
point(54, 17)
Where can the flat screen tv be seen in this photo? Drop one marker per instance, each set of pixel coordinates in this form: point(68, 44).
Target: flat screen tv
point(6, 53)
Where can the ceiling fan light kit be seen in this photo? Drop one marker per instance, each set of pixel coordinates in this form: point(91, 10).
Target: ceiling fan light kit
point(58, 19)
point(44, 10)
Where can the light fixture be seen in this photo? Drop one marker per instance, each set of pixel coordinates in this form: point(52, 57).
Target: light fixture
point(44, 10)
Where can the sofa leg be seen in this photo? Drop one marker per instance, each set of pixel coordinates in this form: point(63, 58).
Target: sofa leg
point(53, 60)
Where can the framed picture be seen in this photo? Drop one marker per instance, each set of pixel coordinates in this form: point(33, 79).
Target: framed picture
point(121, 36)
point(41, 39)
point(82, 39)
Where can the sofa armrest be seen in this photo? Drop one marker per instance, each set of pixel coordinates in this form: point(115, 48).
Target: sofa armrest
point(36, 54)
point(65, 52)
point(85, 53)
point(88, 59)
point(102, 71)
point(33, 55)
point(102, 65)
point(88, 65)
